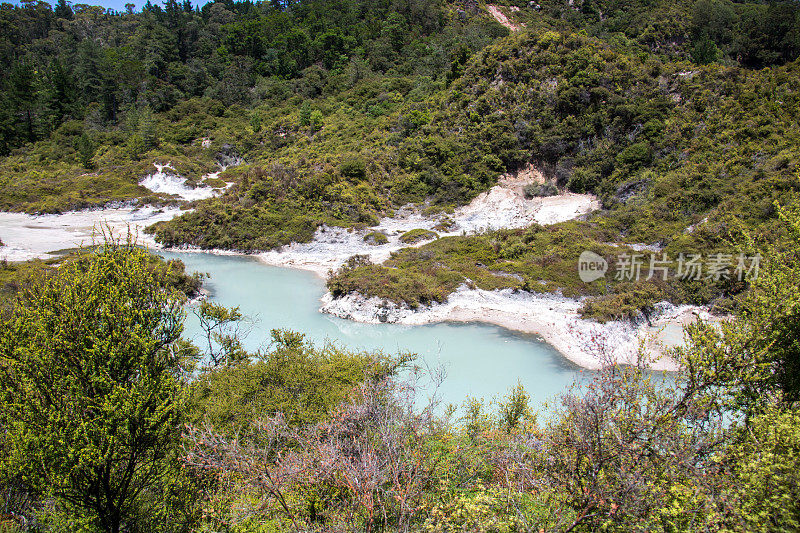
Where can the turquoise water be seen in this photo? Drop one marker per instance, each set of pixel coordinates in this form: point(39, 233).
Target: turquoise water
point(480, 360)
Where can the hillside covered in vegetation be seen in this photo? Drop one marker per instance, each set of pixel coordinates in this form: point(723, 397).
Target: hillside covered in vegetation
point(682, 118)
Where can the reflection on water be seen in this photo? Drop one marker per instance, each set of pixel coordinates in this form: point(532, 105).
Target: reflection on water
point(480, 360)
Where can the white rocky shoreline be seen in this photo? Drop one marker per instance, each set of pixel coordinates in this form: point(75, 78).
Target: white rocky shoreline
point(553, 317)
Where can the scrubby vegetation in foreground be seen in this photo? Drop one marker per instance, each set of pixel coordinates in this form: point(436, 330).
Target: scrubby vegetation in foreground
point(16, 277)
point(130, 430)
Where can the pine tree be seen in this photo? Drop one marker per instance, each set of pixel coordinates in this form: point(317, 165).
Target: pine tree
point(63, 10)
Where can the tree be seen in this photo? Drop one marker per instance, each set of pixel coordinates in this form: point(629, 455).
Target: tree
point(59, 94)
point(223, 335)
point(704, 51)
point(85, 149)
point(22, 97)
point(305, 114)
point(63, 10)
point(750, 362)
point(256, 121)
point(293, 377)
point(90, 384)
point(316, 121)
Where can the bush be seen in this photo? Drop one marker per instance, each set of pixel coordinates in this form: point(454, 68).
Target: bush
point(376, 238)
point(354, 168)
point(106, 327)
point(86, 149)
point(536, 190)
point(415, 236)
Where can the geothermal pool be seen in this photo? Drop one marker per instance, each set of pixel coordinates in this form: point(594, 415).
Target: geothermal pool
point(480, 360)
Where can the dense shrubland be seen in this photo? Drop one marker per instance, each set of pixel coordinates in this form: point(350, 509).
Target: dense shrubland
point(681, 116)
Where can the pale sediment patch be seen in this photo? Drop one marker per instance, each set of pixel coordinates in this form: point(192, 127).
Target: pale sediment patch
point(329, 250)
point(37, 236)
point(332, 246)
point(166, 181)
point(665, 329)
point(502, 207)
point(500, 17)
point(554, 318)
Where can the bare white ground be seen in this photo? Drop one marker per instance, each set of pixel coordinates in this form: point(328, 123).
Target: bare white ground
point(166, 181)
point(28, 237)
point(500, 17)
point(552, 317)
point(503, 206)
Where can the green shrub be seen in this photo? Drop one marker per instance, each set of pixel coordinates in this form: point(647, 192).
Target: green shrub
point(354, 168)
point(316, 121)
point(415, 236)
point(305, 383)
point(85, 149)
point(536, 190)
point(376, 238)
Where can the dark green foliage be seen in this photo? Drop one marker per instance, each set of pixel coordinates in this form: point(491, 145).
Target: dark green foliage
point(137, 90)
point(299, 437)
point(757, 357)
point(85, 151)
point(63, 10)
point(354, 169)
point(162, 56)
point(704, 51)
point(540, 190)
point(376, 238)
point(627, 303)
point(613, 115)
point(216, 225)
point(537, 259)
